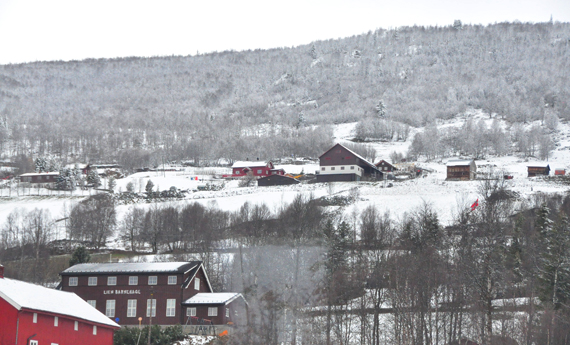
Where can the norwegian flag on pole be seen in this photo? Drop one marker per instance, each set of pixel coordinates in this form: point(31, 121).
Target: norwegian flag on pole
point(475, 204)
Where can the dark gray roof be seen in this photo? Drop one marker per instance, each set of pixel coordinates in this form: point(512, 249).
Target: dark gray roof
point(131, 267)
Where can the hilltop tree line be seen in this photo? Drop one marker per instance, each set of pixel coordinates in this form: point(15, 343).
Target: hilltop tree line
point(313, 275)
point(266, 103)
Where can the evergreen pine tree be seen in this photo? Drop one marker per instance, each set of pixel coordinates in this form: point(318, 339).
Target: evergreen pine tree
point(79, 256)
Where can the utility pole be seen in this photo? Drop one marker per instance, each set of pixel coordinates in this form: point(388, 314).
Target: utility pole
point(150, 316)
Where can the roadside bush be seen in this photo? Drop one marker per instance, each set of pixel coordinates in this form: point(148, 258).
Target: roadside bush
point(159, 336)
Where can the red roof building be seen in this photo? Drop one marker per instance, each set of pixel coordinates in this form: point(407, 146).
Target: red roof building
point(257, 169)
point(342, 164)
point(35, 315)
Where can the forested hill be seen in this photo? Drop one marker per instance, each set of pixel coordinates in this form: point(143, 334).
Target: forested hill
point(262, 103)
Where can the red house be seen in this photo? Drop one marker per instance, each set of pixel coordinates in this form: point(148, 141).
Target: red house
point(35, 315)
point(162, 291)
point(44, 177)
point(385, 166)
point(257, 169)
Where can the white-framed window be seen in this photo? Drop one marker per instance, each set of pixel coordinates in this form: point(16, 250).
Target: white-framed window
point(110, 308)
point(55, 321)
point(152, 280)
point(323, 168)
point(352, 167)
point(33, 342)
point(341, 168)
point(134, 280)
point(132, 308)
point(94, 330)
point(92, 302)
point(212, 311)
point(111, 281)
point(172, 280)
point(35, 318)
point(73, 281)
point(76, 326)
point(227, 312)
point(259, 171)
point(149, 307)
point(332, 168)
point(190, 311)
point(171, 307)
point(196, 283)
point(92, 281)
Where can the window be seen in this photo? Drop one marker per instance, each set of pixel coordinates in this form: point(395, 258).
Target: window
point(152, 280)
point(110, 308)
point(76, 326)
point(227, 312)
point(190, 311)
point(171, 307)
point(332, 168)
point(212, 311)
point(134, 280)
point(148, 307)
point(94, 330)
point(172, 280)
point(92, 302)
point(35, 318)
point(341, 168)
point(111, 280)
point(323, 168)
point(72, 281)
point(132, 308)
point(33, 342)
point(259, 171)
point(352, 167)
point(92, 281)
point(55, 321)
point(197, 284)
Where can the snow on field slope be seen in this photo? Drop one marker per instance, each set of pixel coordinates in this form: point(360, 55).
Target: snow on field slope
point(446, 197)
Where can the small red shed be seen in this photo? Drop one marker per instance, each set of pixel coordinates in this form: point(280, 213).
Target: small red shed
point(34, 315)
point(219, 308)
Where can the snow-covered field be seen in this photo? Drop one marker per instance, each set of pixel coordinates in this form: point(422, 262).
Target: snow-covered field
point(445, 197)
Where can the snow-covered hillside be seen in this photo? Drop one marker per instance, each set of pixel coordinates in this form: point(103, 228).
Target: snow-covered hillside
point(395, 197)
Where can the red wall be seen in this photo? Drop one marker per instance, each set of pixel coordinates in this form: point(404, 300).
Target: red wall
point(45, 331)
point(8, 317)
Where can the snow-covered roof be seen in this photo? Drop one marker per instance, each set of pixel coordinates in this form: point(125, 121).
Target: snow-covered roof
point(354, 153)
point(132, 267)
point(41, 174)
point(249, 164)
point(539, 165)
point(213, 298)
point(35, 297)
point(459, 162)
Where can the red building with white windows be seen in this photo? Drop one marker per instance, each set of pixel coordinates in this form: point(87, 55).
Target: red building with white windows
point(35, 315)
point(257, 169)
point(123, 292)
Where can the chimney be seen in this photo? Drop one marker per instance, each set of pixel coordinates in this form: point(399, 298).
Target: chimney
point(1, 271)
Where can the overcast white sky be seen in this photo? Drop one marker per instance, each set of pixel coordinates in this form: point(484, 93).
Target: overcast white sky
point(32, 30)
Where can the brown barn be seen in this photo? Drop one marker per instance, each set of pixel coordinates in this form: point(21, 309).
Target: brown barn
point(123, 291)
point(45, 177)
point(385, 166)
point(461, 170)
point(342, 164)
point(276, 180)
point(219, 307)
point(538, 170)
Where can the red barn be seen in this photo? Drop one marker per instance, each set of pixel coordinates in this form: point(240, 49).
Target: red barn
point(257, 168)
point(34, 315)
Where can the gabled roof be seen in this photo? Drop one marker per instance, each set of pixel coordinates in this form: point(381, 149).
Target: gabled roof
point(213, 298)
point(41, 174)
point(22, 295)
point(193, 273)
point(354, 153)
point(250, 164)
point(131, 267)
point(384, 161)
point(459, 162)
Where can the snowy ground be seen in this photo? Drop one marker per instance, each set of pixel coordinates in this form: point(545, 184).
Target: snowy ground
point(445, 197)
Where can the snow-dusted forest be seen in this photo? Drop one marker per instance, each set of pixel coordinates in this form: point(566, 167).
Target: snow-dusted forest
point(410, 261)
point(275, 103)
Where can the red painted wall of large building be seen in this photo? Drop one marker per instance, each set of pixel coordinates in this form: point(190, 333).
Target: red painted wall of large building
point(12, 321)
